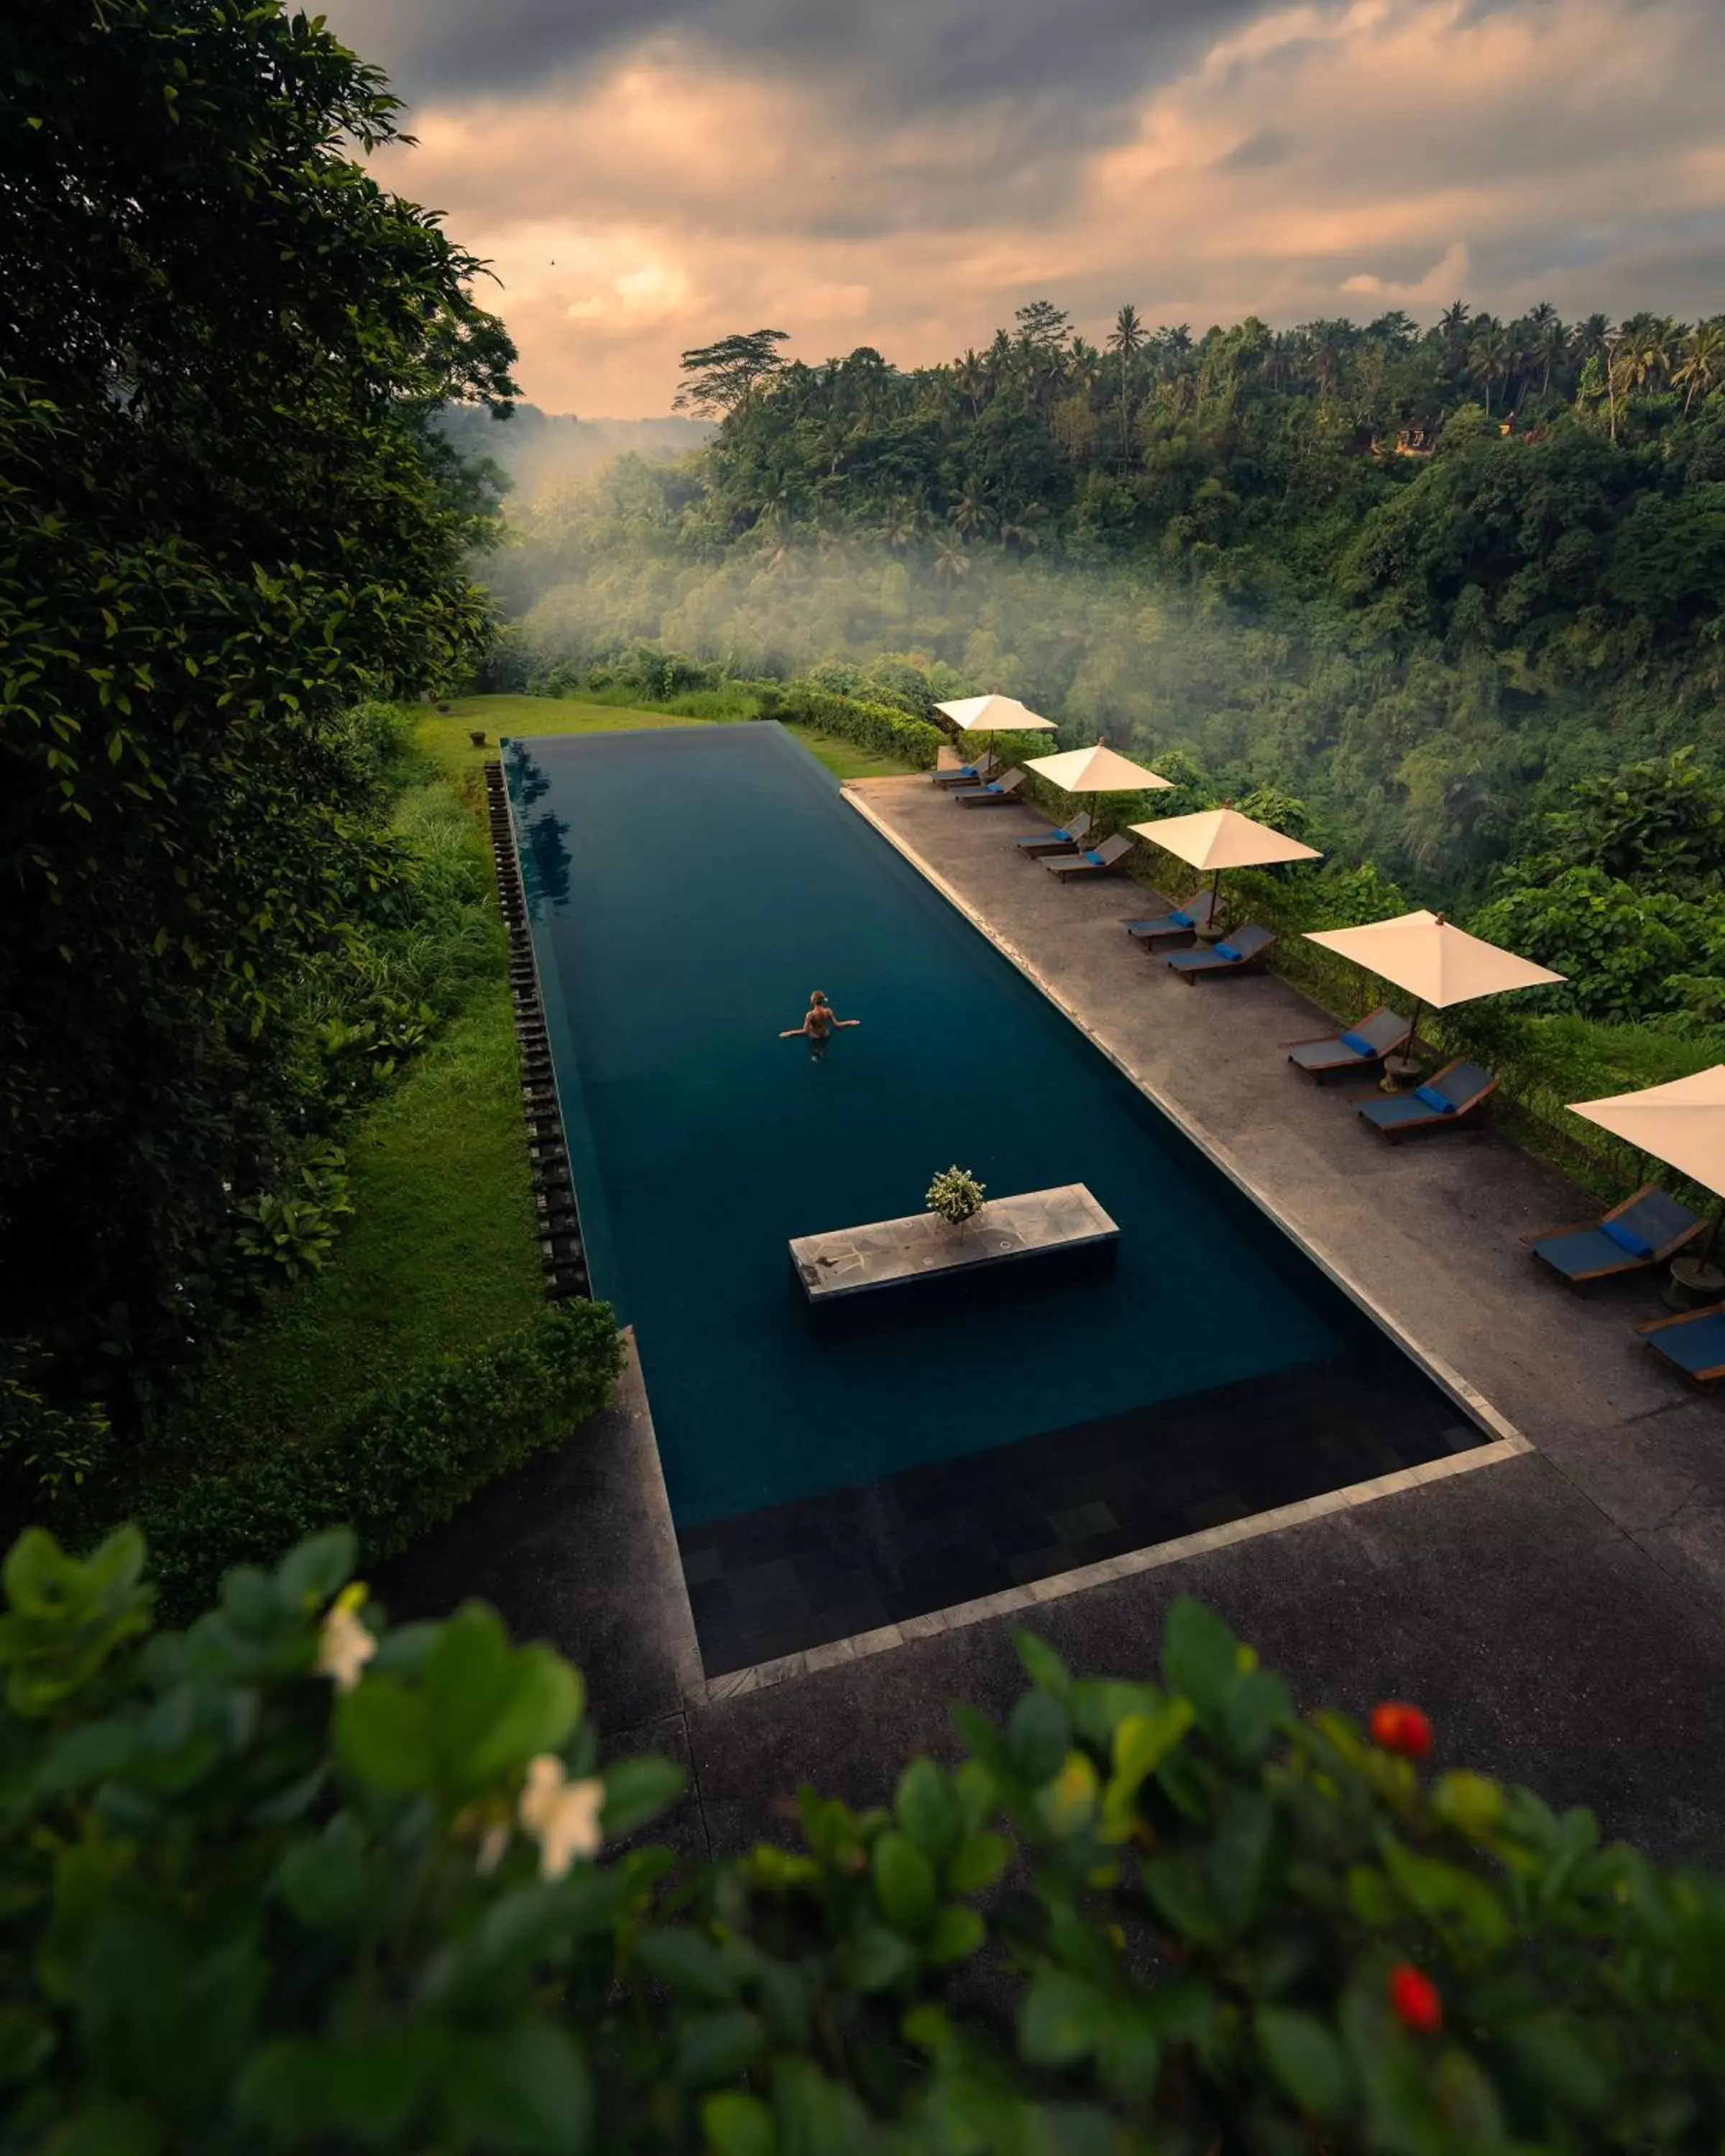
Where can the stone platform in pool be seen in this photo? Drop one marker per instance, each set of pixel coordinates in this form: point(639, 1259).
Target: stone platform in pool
point(892, 1254)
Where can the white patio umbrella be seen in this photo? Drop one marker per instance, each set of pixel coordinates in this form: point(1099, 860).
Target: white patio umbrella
point(995, 714)
point(1434, 960)
point(1218, 838)
point(1097, 770)
point(1682, 1124)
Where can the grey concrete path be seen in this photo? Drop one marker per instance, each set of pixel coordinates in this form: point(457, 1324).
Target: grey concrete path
point(1560, 1615)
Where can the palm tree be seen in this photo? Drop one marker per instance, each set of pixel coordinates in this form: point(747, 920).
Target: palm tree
point(972, 514)
point(1702, 366)
point(1549, 346)
point(970, 378)
point(1452, 327)
point(951, 561)
point(1491, 356)
point(1127, 338)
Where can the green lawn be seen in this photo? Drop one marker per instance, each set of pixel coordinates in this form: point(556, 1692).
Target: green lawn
point(439, 1257)
point(446, 738)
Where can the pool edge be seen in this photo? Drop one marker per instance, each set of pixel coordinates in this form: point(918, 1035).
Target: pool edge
point(1465, 1396)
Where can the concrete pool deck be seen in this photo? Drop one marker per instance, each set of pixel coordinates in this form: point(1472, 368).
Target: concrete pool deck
point(1559, 1611)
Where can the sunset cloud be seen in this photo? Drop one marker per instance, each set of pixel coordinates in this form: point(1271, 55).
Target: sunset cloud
point(668, 174)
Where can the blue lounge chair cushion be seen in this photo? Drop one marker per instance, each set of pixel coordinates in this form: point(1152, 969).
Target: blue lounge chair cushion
point(1358, 1044)
point(1061, 835)
point(1095, 859)
point(1184, 919)
point(1226, 950)
point(1626, 1239)
point(1583, 1250)
point(1433, 1099)
point(1697, 1347)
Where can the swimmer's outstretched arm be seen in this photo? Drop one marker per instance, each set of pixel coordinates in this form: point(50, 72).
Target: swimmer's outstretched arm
point(791, 1032)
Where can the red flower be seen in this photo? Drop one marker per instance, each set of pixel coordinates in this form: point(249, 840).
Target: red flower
point(1414, 2000)
point(1396, 1727)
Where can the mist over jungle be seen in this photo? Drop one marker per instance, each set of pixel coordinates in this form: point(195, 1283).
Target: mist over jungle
point(1425, 580)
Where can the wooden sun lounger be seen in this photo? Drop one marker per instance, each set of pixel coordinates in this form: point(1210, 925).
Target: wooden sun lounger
point(1363, 1048)
point(1643, 1231)
point(960, 773)
point(996, 794)
point(1241, 951)
point(1693, 1344)
point(1175, 924)
point(1454, 1094)
point(1066, 839)
point(1101, 860)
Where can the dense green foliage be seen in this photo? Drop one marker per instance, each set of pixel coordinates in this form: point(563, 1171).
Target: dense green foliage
point(292, 1879)
point(405, 1459)
point(1312, 558)
point(224, 523)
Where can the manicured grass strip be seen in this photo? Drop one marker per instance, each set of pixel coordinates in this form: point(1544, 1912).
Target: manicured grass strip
point(439, 1257)
point(445, 737)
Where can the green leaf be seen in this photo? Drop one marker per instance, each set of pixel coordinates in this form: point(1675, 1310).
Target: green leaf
point(1043, 1665)
point(957, 1934)
point(309, 1576)
point(1254, 1709)
point(323, 1880)
point(1038, 1735)
point(978, 1862)
point(905, 1885)
point(1200, 1656)
point(381, 1736)
point(527, 2092)
point(1060, 2021)
point(638, 1790)
point(1308, 2059)
point(1557, 2054)
point(688, 1964)
point(875, 1959)
point(738, 2125)
point(1174, 1882)
point(1243, 1857)
point(928, 1810)
point(716, 2047)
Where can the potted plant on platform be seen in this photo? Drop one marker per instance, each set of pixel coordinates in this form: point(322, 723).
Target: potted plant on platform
point(957, 1196)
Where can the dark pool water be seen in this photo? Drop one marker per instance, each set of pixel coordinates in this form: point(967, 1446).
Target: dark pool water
point(687, 888)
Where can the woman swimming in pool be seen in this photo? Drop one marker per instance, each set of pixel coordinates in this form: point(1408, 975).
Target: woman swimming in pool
point(819, 1023)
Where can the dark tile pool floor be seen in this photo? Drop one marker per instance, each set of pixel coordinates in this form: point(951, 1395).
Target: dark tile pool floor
point(796, 1575)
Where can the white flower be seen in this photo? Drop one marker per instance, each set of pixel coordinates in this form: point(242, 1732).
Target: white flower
point(562, 1816)
point(344, 1646)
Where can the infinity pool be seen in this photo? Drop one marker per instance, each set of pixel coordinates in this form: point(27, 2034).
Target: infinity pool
point(687, 888)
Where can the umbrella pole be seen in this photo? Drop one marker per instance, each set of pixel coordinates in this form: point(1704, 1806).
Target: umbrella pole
point(1216, 899)
point(1409, 1062)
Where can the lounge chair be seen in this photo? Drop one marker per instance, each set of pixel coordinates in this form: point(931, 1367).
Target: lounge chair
point(1067, 840)
point(1645, 1230)
point(1241, 951)
point(1098, 861)
point(996, 794)
point(955, 774)
point(1364, 1048)
point(1693, 1344)
point(1178, 924)
point(1451, 1096)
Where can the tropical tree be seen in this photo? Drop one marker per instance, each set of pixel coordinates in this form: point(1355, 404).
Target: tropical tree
point(721, 377)
point(1126, 340)
point(1491, 357)
point(222, 523)
point(1701, 367)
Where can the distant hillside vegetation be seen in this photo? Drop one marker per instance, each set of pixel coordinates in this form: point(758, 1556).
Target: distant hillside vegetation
point(535, 449)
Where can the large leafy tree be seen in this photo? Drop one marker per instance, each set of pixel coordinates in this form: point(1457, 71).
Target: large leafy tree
point(220, 522)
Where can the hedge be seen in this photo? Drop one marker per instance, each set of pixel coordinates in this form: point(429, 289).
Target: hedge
point(403, 1461)
point(876, 726)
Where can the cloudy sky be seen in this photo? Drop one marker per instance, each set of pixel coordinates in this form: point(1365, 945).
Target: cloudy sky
point(647, 175)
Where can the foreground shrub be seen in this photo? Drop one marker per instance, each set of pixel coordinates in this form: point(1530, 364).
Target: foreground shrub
point(405, 1461)
point(292, 1881)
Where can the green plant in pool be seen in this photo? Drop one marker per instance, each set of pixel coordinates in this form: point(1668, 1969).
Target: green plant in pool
point(956, 1195)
